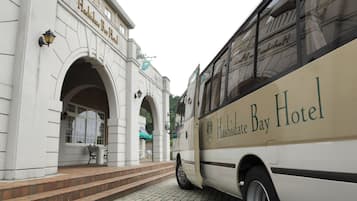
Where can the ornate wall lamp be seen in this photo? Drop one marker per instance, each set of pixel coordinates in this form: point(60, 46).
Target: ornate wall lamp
point(47, 38)
point(138, 94)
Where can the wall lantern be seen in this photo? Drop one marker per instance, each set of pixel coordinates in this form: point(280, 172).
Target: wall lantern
point(138, 94)
point(47, 38)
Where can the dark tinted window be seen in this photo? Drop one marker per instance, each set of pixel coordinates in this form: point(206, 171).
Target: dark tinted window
point(241, 66)
point(277, 51)
point(219, 81)
point(326, 25)
point(205, 91)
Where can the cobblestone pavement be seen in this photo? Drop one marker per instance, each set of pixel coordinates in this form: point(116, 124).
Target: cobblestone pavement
point(168, 190)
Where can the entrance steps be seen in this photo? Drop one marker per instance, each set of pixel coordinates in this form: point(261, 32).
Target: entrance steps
point(104, 184)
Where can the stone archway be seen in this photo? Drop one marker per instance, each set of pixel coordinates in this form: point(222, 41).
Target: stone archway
point(104, 72)
point(148, 103)
point(89, 112)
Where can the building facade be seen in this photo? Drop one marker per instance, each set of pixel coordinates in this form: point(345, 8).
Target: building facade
point(86, 87)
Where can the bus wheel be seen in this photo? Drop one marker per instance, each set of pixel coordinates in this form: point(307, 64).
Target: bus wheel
point(181, 177)
point(258, 186)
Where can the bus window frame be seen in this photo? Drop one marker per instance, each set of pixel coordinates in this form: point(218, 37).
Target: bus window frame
point(302, 59)
point(200, 101)
point(223, 52)
point(256, 14)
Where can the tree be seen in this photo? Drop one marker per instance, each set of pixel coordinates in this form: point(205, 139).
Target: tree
point(173, 105)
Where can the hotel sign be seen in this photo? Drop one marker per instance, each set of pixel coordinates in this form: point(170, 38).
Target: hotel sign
point(97, 19)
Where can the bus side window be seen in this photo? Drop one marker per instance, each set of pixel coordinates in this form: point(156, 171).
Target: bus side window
point(327, 25)
point(218, 82)
point(241, 67)
point(205, 90)
point(206, 97)
point(277, 49)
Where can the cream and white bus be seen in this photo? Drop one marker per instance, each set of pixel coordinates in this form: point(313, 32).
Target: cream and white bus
point(274, 115)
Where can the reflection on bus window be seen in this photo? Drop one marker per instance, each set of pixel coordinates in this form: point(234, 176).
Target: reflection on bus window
point(327, 24)
point(224, 82)
point(277, 50)
point(241, 67)
point(218, 82)
point(206, 97)
point(205, 89)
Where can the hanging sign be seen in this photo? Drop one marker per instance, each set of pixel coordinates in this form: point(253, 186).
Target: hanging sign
point(145, 65)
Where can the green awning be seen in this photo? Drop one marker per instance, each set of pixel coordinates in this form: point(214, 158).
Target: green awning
point(144, 135)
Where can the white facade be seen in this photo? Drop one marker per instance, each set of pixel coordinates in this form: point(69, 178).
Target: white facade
point(32, 80)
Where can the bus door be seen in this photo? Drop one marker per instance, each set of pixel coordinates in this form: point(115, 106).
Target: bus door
point(191, 156)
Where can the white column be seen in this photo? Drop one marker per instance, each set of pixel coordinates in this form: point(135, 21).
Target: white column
point(158, 148)
point(166, 118)
point(133, 106)
point(53, 137)
point(29, 116)
point(116, 142)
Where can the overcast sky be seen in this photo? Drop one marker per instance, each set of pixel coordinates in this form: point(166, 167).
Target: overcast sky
point(184, 33)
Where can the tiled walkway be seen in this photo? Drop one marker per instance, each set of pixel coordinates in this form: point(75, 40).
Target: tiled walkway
point(169, 191)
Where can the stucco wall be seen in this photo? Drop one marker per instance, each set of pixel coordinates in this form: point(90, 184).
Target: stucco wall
point(32, 77)
point(9, 21)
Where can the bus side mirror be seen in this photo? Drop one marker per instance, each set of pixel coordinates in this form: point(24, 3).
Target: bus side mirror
point(283, 6)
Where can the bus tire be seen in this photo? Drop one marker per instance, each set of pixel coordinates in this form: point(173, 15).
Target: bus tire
point(181, 177)
point(258, 186)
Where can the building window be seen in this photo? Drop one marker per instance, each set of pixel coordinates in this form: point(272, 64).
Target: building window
point(122, 29)
point(108, 13)
point(84, 125)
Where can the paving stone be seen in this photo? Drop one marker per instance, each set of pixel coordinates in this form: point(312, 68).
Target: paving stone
point(168, 190)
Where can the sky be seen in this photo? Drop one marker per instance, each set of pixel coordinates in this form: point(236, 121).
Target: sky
point(184, 33)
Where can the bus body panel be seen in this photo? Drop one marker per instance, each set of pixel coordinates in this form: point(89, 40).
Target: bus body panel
point(319, 156)
point(298, 120)
point(324, 138)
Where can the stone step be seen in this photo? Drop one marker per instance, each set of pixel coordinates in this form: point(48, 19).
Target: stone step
point(121, 191)
point(79, 191)
point(31, 187)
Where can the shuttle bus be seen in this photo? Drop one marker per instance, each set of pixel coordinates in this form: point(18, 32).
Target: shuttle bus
point(273, 116)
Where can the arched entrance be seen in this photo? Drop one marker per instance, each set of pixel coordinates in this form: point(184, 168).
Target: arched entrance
point(88, 104)
point(148, 128)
